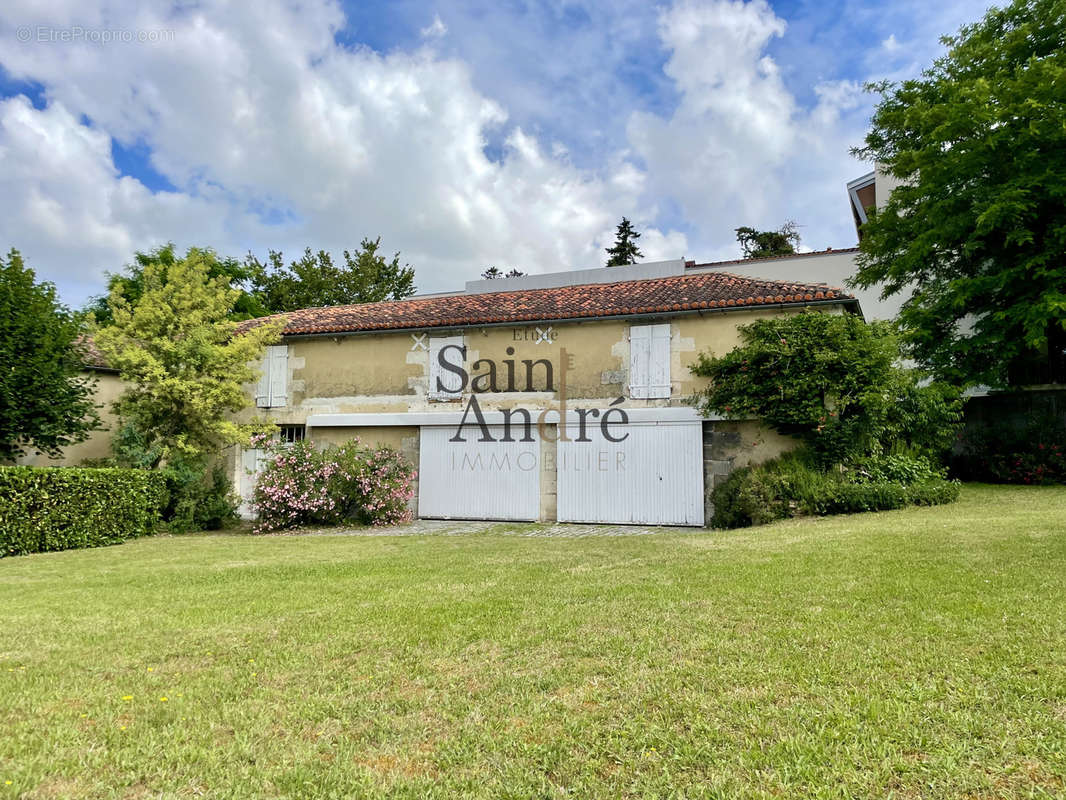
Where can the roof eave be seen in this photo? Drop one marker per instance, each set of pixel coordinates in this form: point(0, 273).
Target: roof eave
point(851, 303)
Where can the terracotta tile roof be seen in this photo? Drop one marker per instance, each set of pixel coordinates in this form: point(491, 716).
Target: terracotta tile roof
point(92, 356)
point(710, 290)
point(831, 251)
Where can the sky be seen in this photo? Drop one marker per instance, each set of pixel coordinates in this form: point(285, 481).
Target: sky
point(463, 134)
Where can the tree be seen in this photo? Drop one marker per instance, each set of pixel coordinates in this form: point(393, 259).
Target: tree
point(492, 273)
point(977, 225)
point(130, 282)
point(314, 280)
point(625, 249)
point(175, 346)
point(766, 244)
point(833, 381)
point(46, 400)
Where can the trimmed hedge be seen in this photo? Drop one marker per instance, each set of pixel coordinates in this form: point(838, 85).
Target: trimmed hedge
point(853, 498)
point(62, 508)
point(791, 487)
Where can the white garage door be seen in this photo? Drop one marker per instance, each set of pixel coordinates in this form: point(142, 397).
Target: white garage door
point(475, 479)
point(653, 477)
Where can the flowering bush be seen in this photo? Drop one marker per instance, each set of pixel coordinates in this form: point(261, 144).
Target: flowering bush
point(304, 486)
point(373, 486)
point(293, 488)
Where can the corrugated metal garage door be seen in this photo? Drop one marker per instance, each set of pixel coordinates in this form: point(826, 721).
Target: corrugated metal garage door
point(478, 480)
point(653, 477)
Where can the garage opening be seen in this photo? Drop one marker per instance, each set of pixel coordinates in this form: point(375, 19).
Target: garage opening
point(476, 479)
point(653, 477)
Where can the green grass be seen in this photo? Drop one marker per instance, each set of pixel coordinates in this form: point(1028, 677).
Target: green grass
point(916, 653)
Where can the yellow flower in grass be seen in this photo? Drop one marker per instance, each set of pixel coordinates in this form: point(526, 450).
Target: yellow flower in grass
point(127, 697)
point(151, 669)
point(162, 699)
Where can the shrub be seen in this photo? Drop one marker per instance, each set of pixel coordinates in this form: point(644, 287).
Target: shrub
point(304, 486)
point(293, 488)
point(61, 508)
point(197, 498)
point(896, 468)
point(1033, 453)
point(792, 486)
point(834, 382)
point(372, 486)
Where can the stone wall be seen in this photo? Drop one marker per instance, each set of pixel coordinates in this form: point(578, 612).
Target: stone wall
point(730, 445)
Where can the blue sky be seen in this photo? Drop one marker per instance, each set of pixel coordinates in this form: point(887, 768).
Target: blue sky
point(464, 134)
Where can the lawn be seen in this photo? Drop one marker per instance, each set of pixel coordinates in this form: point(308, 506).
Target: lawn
point(916, 653)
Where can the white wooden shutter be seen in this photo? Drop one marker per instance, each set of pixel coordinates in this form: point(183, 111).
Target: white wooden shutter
point(252, 463)
point(659, 361)
point(278, 375)
point(649, 361)
point(639, 357)
point(262, 389)
point(451, 382)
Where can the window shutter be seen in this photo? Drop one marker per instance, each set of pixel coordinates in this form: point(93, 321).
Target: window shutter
point(278, 356)
point(252, 463)
point(649, 361)
point(659, 361)
point(451, 382)
point(262, 389)
point(639, 358)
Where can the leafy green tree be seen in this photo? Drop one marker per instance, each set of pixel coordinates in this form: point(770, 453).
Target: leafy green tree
point(314, 280)
point(977, 225)
point(130, 283)
point(625, 250)
point(766, 244)
point(833, 381)
point(46, 400)
point(174, 345)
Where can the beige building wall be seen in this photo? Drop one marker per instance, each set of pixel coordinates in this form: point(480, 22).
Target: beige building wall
point(108, 387)
point(389, 372)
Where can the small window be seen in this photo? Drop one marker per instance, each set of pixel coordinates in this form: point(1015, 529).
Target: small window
point(291, 434)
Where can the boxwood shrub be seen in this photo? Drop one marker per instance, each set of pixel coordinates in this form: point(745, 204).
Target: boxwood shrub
point(792, 486)
point(61, 508)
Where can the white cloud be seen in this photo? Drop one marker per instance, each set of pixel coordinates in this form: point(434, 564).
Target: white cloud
point(659, 246)
point(66, 207)
point(265, 113)
point(890, 44)
point(739, 149)
point(435, 29)
point(276, 136)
